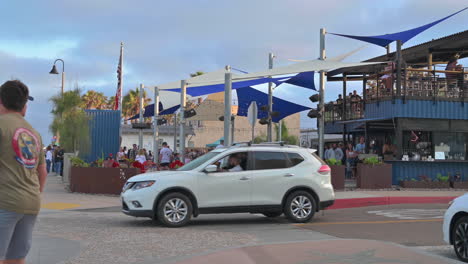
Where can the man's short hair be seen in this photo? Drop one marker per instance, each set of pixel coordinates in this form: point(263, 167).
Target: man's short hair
point(164, 143)
point(14, 95)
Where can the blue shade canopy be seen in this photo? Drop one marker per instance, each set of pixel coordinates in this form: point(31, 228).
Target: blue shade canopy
point(149, 111)
point(303, 79)
point(219, 87)
point(285, 108)
point(384, 40)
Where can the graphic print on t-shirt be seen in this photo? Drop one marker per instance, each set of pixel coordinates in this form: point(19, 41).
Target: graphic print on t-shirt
point(25, 145)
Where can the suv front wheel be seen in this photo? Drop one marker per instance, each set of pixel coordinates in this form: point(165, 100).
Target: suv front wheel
point(174, 210)
point(300, 207)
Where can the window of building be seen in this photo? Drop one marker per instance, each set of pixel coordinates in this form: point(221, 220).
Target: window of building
point(453, 145)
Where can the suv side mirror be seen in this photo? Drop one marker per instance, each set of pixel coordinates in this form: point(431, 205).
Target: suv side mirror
point(211, 168)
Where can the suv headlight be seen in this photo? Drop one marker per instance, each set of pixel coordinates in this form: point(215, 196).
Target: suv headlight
point(142, 184)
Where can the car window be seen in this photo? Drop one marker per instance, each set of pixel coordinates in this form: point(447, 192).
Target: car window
point(233, 162)
point(267, 160)
point(294, 159)
point(198, 161)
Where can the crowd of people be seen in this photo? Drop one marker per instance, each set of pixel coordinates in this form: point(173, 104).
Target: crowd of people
point(54, 159)
point(353, 107)
point(348, 153)
point(167, 158)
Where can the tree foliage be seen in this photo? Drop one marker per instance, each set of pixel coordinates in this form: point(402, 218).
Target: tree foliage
point(288, 139)
point(70, 121)
point(131, 103)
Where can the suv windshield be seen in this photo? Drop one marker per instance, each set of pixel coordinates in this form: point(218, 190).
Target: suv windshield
point(197, 162)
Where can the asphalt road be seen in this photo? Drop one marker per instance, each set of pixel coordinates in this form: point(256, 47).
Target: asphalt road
point(97, 235)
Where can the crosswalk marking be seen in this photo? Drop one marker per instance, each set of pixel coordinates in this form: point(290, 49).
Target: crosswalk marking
point(410, 214)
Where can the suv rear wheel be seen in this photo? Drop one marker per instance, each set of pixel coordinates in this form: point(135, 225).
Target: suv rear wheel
point(460, 238)
point(174, 210)
point(300, 207)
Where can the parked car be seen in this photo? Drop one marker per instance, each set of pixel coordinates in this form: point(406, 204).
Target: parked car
point(455, 226)
point(270, 179)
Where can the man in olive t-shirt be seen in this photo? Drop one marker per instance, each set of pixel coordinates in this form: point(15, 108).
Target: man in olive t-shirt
point(22, 173)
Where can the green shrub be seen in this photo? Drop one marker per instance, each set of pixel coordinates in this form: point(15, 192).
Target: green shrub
point(333, 162)
point(372, 161)
point(77, 162)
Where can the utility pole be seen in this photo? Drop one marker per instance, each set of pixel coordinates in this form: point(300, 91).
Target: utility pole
point(183, 102)
point(156, 126)
point(321, 121)
point(227, 106)
point(140, 135)
point(270, 101)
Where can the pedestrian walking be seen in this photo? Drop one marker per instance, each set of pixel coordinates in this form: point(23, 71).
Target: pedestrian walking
point(165, 156)
point(49, 157)
point(23, 173)
point(338, 152)
point(132, 152)
point(58, 158)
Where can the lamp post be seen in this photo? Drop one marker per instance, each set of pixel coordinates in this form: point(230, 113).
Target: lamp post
point(54, 71)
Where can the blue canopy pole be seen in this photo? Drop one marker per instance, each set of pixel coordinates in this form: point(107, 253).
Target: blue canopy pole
point(270, 101)
point(183, 100)
point(227, 106)
point(156, 126)
point(321, 121)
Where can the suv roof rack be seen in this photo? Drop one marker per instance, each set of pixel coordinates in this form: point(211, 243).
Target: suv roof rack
point(281, 143)
point(248, 143)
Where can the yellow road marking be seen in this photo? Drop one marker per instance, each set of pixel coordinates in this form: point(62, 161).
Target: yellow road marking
point(373, 222)
point(59, 206)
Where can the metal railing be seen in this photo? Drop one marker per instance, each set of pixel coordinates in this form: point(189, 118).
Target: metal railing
point(418, 84)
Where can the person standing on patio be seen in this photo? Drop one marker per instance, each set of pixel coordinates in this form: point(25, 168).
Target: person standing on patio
point(221, 144)
point(165, 156)
point(132, 153)
point(49, 157)
point(361, 147)
point(23, 174)
point(338, 152)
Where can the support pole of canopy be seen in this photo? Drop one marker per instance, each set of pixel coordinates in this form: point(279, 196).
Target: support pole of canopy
point(321, 121)
point(233, 121)
point(183, 100)
point(227, 106)
point(155, 125)
point(280, 130)
point(175, 133)
point(398, 79)
point(343, 106)
point(270, 101)
point(429, 61)
point(140, 134)
point(388, 49)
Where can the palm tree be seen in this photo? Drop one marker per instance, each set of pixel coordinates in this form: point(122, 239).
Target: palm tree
point(70, 121)
point(110, 103)
point(131, 103)
point(94, 100)
point(198, 73)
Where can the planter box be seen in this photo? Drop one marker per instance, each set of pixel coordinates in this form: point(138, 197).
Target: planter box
point(424, 184)
point(338, 176)
point(100, 180)
point(374, 176)
point(460, 185)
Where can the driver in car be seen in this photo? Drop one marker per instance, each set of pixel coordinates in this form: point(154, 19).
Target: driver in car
point(234, 161)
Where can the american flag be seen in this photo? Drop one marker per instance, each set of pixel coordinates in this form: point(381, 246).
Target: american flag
point(118, 95)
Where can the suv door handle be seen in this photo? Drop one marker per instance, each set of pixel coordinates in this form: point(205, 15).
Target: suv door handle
point(244, 178)
point(288, 175)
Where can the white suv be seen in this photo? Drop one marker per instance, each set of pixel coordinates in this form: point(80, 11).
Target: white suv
point(270, 179)
point(455, 226)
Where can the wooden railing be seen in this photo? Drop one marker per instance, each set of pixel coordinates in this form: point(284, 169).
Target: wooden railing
point(418, 84)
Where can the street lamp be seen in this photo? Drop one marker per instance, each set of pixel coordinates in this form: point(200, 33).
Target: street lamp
point(54, 71)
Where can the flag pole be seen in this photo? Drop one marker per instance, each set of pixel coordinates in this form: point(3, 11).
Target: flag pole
point(120, 89)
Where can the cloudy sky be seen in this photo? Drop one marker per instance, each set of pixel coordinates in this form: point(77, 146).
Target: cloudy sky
point(167, 40)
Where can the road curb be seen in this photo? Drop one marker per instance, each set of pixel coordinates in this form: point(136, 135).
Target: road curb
point(374, 201)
